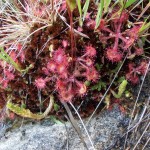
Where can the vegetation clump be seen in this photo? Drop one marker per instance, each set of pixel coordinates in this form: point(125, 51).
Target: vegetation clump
point(40, 54)
point(73, 50)
point(80, 52)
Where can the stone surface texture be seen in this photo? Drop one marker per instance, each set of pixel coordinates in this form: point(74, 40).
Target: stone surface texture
point(104, 130)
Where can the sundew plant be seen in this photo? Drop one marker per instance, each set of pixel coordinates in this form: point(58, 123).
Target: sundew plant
point(87, 54)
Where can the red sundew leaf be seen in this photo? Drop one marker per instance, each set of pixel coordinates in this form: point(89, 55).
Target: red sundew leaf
point(66, 96)
point(59, 56)
point(60, 85)
point(40, 83)
point(113, 55)
point(65, 43)
point(81, 89)
point(9, 75)
point(142, 67)
point(51, 66)
point(134, 79)
point(92, 74)
point(90, 51)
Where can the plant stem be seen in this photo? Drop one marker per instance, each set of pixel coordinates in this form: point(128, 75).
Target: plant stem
point(117, 37)
point(72, 37)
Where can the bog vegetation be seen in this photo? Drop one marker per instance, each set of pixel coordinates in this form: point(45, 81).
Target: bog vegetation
point(69, 51)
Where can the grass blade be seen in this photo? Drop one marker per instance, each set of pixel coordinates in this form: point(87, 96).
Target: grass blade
point(138, 3)
point(144, 10)
point(85, 8)
point(144, 27)
point(4, 56)
point(106, 5)
point(129, 3)
point(99, 13)
point(80, 11)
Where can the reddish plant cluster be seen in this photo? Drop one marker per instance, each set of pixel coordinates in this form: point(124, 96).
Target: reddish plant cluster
point(6, 78)
point(69, 82)
point(123, 41)
point(123, 38)
point(134, 71)
point(7, 71)
point(63, 59)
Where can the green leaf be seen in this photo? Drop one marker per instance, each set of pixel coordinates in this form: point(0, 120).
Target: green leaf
point(129, 3)
point(71, 4)
point(128, 94)
point(87, 83)
point(144, 27)
point(56, 107)
point(106, 5)
point(122, 88)
point(5, 57)
point(98, 66)
point(120, 80)
point(85, 8)
point(100, 85)
point(27, 113)
point(80, 12)
point(116, 69)
point(23, 105)
point(99, 13)
point(107, 100)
